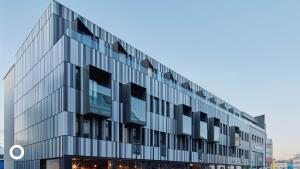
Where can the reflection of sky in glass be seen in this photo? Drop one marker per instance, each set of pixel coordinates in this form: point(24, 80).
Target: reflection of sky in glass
point(186, 124)
point(100, 99)
point(216, 133)
point(203, 130)
point(96, 88)
point(237, 139)
point(138, 110)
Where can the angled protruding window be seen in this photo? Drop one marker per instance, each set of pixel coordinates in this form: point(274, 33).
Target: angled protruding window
point(231, 110)
point(169, 76)
point(119, 52)
point(213, 100)
point(84, 31)
point(147, 63)
point(79, 26)
point(117, 47)
point(223, 105)
point(202, 93)
point(186, 85)
point(149, 69)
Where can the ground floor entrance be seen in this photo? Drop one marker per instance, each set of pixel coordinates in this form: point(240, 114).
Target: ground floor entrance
point(101, 163)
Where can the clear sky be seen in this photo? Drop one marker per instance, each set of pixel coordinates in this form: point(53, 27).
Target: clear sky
point(245, 52)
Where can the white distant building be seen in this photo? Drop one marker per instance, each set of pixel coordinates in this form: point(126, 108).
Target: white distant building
point(282, 164)
point(269, 153)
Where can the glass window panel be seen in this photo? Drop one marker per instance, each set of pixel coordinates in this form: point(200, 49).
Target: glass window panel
point(216, 133)
point(186, 124)
point(86, 128)
point(203, 130)
point(100, 99)
point(237, 139)
point(138, 110)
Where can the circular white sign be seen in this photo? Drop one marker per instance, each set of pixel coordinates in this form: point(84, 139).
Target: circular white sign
point(11, 152)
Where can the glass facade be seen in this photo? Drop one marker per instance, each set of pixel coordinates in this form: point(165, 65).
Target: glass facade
point(53, 92)
point(100, 99)
point(138, 110)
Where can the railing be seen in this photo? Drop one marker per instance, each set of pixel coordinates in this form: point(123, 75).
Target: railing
point(87, 40)
point(95, 87)
point(99, 99)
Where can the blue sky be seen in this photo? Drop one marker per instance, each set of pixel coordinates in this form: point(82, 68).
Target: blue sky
point(245, 52)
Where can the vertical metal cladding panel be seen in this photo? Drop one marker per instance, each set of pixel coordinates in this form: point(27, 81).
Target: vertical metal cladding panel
point(171, 154)
point(94, 148)
point(147, 152)
point(114, 149)
point(128, 150)
point(156, 122)
point(156, 153)
point(115, 111)
point(71, 145)
point(122, 150)
point(108, 148)
point(168, 126)
point(162, 124)
point(148, 115)
point(151, 123)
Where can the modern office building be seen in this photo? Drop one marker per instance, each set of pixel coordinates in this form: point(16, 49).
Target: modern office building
point(79, 97)
point(269, 153)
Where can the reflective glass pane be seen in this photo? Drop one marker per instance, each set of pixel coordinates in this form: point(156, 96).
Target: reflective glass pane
point(216, 133)
point(187, 124)
point(203, 130)
point(138, 110)
point(237, 139)
point(86, 128)
point(100, 99)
